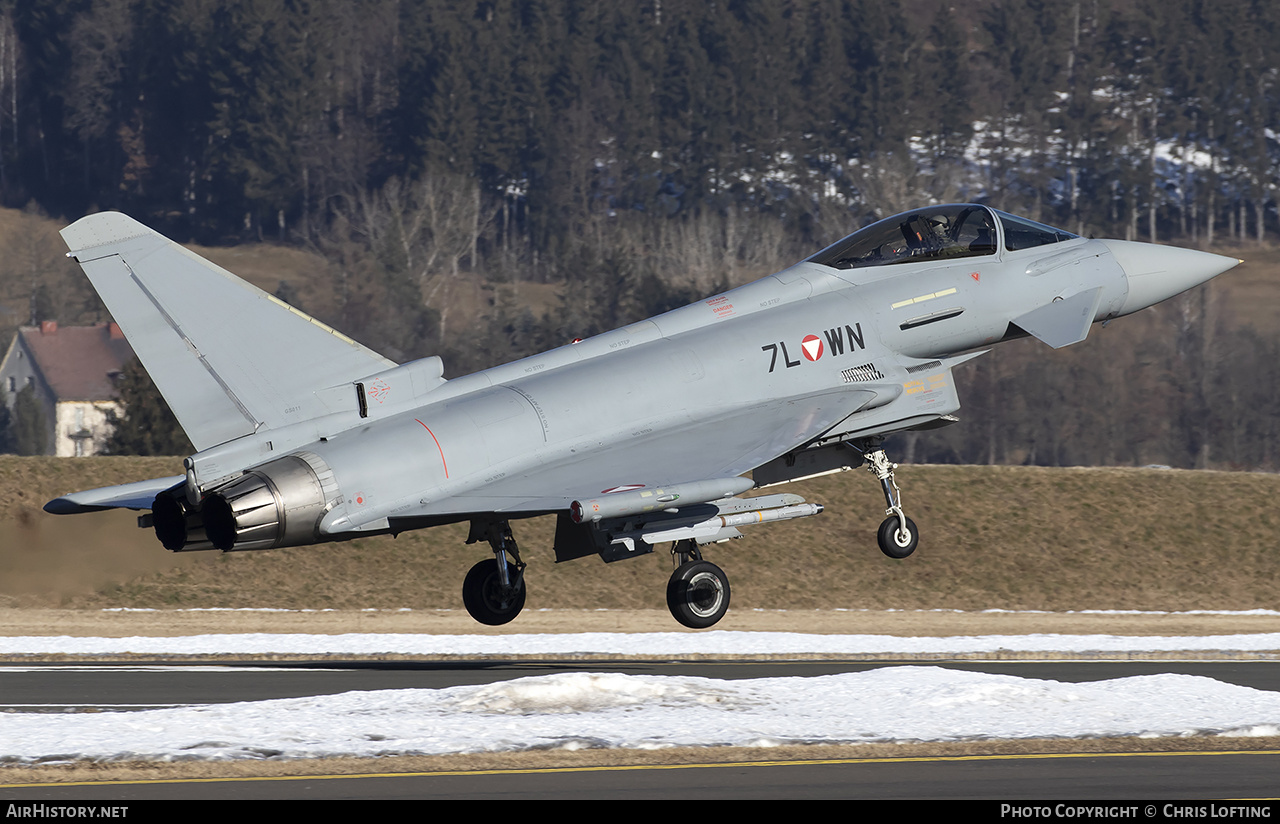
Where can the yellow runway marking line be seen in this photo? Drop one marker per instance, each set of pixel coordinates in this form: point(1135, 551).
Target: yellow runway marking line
point(634, 767)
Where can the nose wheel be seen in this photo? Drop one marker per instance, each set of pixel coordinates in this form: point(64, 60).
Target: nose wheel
point(898, 536)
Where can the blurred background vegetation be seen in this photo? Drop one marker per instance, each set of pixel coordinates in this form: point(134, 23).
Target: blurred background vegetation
point(482, 179)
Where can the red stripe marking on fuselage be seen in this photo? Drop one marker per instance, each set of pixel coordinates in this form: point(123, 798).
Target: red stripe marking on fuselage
point(434, 438)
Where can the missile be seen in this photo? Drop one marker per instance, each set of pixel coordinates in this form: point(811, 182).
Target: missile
point(713, 525)
point(627, 502)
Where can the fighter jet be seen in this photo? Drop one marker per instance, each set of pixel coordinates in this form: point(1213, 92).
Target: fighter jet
point(635, 438)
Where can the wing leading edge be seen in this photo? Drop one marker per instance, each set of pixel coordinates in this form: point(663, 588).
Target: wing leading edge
point(139, 495)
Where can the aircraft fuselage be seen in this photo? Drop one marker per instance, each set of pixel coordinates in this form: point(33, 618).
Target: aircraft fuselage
point(635, 436)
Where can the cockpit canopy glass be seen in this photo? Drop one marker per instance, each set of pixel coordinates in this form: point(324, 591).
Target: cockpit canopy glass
point(1020, 233)
point(935, 233)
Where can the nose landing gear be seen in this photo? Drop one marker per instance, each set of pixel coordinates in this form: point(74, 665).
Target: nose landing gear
point(898, 535)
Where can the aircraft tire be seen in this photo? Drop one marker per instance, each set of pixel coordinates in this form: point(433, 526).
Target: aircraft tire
point(698, 594)
point(890, 541)
point(483, 597)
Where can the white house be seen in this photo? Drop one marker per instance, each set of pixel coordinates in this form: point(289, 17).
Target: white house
point(74, 370)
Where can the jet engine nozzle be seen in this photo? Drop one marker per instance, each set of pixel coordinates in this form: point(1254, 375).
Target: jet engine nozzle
point(178, 525)
point(1155, 273)
point(277, 504)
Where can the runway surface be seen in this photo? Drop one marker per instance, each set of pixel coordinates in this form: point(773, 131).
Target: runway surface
point(149, 684)
point(62, 688)
point(1093, 778)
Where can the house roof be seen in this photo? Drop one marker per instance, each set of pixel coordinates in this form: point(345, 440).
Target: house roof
point(78, 362)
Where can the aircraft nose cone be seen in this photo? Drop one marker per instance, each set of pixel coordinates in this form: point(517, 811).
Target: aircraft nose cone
point(1157, 273)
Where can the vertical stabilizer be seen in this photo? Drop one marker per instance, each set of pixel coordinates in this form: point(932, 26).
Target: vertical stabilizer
point(228, 357)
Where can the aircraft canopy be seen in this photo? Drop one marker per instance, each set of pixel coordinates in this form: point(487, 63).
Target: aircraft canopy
point(936, 233)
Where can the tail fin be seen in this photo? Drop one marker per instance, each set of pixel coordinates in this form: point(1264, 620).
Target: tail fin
point(228, 357)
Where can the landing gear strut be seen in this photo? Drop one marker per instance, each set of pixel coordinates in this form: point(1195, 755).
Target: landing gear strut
point(493, 591)
point(698, 592)
point(898, 534)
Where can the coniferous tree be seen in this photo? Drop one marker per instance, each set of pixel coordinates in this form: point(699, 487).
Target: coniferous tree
point(945, 114)
point(30, 428)
point(148, 426)
point(7, 442)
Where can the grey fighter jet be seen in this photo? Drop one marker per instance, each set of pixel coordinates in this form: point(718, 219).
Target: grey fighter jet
point(634, 438)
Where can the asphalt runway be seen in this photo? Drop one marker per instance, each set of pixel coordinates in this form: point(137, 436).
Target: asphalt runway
point(1192, 775)
point(1094, 778)
point(145, 685)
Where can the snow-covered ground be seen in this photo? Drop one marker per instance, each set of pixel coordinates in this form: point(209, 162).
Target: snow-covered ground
point(581, 710)
point(578, 710)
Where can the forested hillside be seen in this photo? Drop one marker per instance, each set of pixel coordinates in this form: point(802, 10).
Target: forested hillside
point(635, 156)
point(269, 117)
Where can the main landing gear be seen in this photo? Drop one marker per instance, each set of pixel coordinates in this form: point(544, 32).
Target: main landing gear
point(493, 591)
point(898, 535)
point(698, 592)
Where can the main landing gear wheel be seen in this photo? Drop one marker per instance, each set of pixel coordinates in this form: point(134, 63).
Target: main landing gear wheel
point(698, 594)
point(488, 601)
point(894, 542)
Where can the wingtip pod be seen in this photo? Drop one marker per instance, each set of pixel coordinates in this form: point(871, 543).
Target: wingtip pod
point(101, 229)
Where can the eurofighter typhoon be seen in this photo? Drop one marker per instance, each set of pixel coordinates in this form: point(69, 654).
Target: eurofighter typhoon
point(634, 438)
